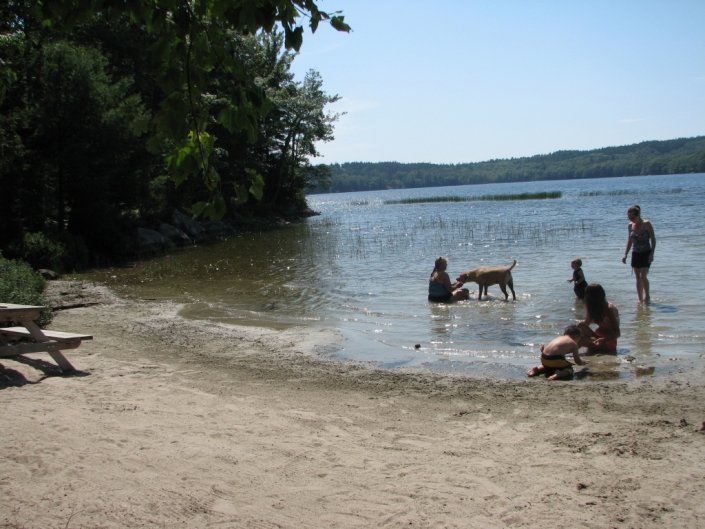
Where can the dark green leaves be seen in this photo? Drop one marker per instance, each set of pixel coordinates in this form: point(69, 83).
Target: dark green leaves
point(191, 47)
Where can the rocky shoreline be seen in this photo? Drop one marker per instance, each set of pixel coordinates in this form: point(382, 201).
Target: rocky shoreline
point(184, 231)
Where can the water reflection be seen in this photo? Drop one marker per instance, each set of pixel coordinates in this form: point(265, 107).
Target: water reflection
point(644, 358)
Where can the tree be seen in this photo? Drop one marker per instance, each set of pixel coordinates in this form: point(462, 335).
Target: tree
point(194, 42)
point(67, 151)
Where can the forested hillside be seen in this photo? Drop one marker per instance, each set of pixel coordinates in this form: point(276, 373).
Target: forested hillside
point(685, 155)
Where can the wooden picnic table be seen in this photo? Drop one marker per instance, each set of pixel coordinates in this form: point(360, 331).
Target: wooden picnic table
point(52, 342)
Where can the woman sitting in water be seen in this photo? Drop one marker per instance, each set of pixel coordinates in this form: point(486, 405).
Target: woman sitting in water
point(440, 288)
point(605, 315)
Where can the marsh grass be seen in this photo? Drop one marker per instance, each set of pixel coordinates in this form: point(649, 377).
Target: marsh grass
point(370, 240)
point(620, 192)
point(519, 196)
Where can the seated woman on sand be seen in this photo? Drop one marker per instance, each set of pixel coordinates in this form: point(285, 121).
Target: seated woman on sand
point(605, 314)
point(440, 288)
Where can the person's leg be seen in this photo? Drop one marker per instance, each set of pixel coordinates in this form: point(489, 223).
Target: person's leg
point(535, 371)
point(561, 374)
point(587, 335)
point(639, 284)
point(461, 294)
point(645, 284)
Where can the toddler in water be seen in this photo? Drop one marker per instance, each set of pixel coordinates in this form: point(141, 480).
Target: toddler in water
point(578, 278)
point(553, 362)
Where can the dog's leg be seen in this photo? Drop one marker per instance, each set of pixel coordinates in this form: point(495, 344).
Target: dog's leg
point(480, 289)
point(511, 287)
point(504, 291)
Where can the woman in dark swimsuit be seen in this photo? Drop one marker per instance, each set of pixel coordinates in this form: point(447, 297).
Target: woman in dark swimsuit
point(440, 289)
point(642, 241)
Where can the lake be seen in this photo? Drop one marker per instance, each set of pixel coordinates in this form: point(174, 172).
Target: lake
point(362, 267)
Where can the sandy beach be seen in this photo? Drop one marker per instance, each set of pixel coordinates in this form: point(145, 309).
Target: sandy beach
point(176, 423)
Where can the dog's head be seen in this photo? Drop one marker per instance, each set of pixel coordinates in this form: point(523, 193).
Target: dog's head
point(468, 276)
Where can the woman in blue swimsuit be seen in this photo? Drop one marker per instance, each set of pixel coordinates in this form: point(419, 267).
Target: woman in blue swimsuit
point(642, 241)
point(440, 288)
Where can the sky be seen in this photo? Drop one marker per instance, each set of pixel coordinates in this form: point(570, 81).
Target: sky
point(451, 81)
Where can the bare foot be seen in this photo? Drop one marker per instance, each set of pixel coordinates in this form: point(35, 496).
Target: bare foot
point(534, 371)
point(561, 374)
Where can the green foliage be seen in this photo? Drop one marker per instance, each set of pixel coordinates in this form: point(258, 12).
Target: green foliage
point(67, 149)
point(41, 252)
point(21, 285)
point(685, 155)
point(193, 43)
point(65, 253)
point(78, 174)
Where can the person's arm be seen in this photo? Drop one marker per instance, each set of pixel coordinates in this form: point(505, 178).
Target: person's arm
point(629, 242)
point(446, 282)
point(613, 315)
point(576, 355)
point(652, 235)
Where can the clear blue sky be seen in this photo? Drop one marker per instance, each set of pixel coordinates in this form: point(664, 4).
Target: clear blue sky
point(447, 81)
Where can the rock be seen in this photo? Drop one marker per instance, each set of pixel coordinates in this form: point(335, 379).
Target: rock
point(153, 241)
point(174, 234)
point(308, 212)
point(215, 228)
point(48, 274)
point(192, 228)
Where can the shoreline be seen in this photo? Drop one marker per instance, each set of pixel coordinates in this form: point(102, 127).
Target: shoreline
point(173, 422)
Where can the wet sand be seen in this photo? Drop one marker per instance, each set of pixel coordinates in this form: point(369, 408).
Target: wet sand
point(175, 423)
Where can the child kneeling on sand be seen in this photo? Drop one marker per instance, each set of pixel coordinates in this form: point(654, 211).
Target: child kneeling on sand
point(553, 362)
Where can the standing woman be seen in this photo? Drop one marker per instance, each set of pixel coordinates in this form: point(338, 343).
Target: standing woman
point(440, 289)
point(642, 241)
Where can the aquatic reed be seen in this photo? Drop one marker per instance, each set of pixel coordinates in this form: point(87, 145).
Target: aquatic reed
point(620, 192)
point(518, 196)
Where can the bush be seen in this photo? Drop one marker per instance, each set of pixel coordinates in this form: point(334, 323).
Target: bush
point(41, 252)
point(65, 253)
point(21, 285)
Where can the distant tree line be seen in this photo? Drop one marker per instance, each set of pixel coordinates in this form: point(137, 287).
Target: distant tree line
point(685, 155)
point(83, 162)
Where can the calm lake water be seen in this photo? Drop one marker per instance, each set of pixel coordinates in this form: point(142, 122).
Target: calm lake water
point(362, 267)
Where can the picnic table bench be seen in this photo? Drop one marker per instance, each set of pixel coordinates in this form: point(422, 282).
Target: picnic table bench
point(52, 342)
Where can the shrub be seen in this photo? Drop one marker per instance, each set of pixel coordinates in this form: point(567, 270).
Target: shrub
point(65, 253)
point(21, 285)
point(41, 252)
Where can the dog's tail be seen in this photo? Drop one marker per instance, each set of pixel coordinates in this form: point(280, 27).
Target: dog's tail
point(513, 265)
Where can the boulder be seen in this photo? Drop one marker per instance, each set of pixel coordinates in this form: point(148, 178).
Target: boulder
point(174, 234)
point(215, 228)
point(192, 228)
point(48, 274)
point(308, 212)
point(153, 241)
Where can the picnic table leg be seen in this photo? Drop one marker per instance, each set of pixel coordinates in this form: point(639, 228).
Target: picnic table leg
point(39, 336)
